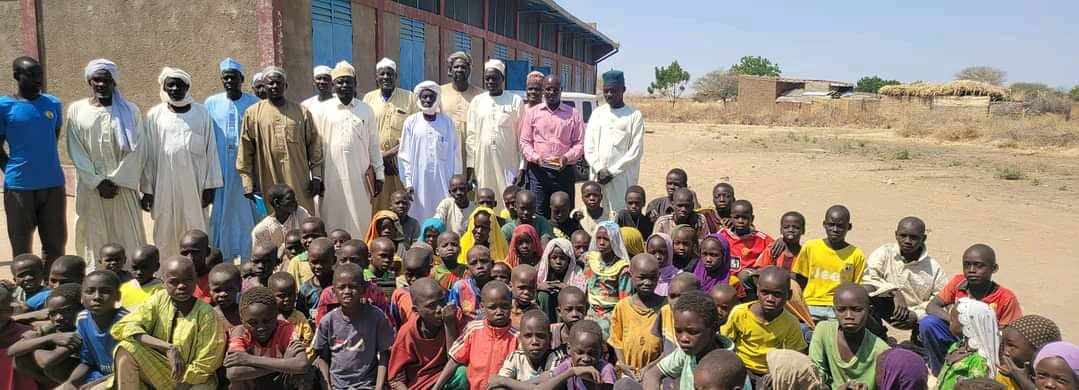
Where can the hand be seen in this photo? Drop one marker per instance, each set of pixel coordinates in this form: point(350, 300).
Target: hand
point(107, 189)
point(587, 373)
point(519, 181)
point(411, 193)
point(70, 340)
point(853, 385)
point(176, 364)
point(378, 188)
point(233, 359)
point(315, 187)
point(904, 321)
point(207, 197)
point(604, 176)
point(449, 315)
point(778, 248)
point(8, 284)
point(147, 202)
point(627, 370)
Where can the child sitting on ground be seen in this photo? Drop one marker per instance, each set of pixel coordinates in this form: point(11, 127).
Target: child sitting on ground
point(593, 212)
point(339, 237)
point(285, 215)
point(633, 216)
point(572, 307)
point(695, 321)
point(842, 349)
point(523, 287)
point(64, 270)
point(419, 350)
point(344, 364)
point(225, 285)
point(265, 346)
point(30, 291)
point(382, 257)
point(682, 284)
point(10, 333)
point(580, 240)
point(100, 293)
point(633, 316)
point(447, 270)
point(283, 287)
point(455, 209)
point(720, 370)
point(584, 367)
point(144, 282)
point(321, 257)
point(763, 325)
point(417, 264)
point(976, 353)
point(400, 204)
point(501, 272)
point(606, 272)
point(50, 353)
point(297, 266)
point(465, 293)
point(533, 356)
point(823, 264)
point(1021, 341)
point(114, 258)
point(562, 215)
point(484, 344)
point(557, 270)
point(172, 326)
point(263, 263)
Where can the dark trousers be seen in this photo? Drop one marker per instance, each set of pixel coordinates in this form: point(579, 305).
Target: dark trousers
point(543, 182)
point(44, 210)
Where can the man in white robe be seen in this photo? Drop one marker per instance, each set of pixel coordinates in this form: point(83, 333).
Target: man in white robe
point(182, 166)
point(429, 153)
point(614, 143)
point(323, 87)
point(493, 133)
point(102, 134)
point(352, 166)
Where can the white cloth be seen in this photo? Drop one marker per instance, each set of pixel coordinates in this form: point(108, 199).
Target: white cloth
point(980, 328)
point(350, 147)
point(429, 86)
point(496, 65)
point(492, 140)
point(321, 70)
point(614, 139)
point(310, 102)
point(270, 231)
point(176, 73)
point(386, 63)
point(918, 281)
point(97, 155)
point(455, 218)
point(426, 159)
point(127, 137)
point(181, 162)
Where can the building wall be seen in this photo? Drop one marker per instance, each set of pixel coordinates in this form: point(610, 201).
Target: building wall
point(297, 55)
point(432, 61)
point(193, 35)
point(10, 42)
point(364, 42)
point(755, 94)
point(391, 37)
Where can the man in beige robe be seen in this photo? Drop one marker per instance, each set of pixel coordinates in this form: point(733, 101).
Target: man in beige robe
point(391, 106)
point(494, 117)
point(279, 144)
point(457, 95)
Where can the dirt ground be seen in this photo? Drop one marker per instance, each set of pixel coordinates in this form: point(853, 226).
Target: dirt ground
point(1016, 201)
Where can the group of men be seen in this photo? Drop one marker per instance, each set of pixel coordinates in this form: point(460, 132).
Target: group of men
point(206, 165)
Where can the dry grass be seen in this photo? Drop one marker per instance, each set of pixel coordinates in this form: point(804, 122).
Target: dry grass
point(1032, 131)
point(953, 88)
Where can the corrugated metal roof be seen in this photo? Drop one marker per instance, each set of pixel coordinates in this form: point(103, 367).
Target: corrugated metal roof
point(570, 22)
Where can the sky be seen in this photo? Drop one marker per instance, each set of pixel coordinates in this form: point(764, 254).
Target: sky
point(1031, 40)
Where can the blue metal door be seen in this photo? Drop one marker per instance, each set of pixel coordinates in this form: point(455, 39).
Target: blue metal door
point(516, 74)
point(331, 31)
point(412, 46)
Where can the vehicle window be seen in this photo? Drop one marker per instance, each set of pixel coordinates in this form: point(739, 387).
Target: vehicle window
point(570, 103)
point(586, 110)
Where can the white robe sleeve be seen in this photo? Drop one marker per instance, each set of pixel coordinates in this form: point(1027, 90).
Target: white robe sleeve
point(148, 145)
point(591, 142)
point(213, 177)
point(129, 170)
point(634, 151)
point(472, 127)
point(404, 153)
point(79, 151)
point(373, 151)
point(455, 144)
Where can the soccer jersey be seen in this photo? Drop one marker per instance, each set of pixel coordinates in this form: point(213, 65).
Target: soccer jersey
point(826, 269)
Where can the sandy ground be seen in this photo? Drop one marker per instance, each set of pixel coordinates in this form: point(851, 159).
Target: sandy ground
point(957, 189)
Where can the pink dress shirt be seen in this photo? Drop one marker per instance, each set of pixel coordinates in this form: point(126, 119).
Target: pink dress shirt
point(547, 133)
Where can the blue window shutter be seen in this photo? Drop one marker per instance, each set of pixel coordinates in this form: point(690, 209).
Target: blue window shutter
point(412, 48)
point(331, 31)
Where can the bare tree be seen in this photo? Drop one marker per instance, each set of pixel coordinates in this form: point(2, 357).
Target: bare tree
point(718, 84)
point(985, 74)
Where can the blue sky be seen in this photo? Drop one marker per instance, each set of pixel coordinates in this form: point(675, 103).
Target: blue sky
point(1031, 40)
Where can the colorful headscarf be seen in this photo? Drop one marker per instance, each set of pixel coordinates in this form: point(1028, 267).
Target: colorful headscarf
point(667, 270)
point(709, 280)
point(980, 328)
point(1038, 330)
point(574, 274)
point(128, 135)
point(520, 231)
point(431, 223)
point(372, 229)
point(1061, 349)
point(499, 248)
point(633, 239)
point(901, 369)
point(615, 235)
point(791, 370)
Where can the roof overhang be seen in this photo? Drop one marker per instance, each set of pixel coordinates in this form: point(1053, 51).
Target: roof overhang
point(567, 22)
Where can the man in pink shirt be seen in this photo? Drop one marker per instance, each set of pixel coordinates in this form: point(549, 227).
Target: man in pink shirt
point(552, 140)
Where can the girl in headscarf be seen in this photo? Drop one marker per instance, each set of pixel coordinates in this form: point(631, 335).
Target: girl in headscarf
point(386, 224)
point(556, 270)
point(634, 241)
point(660, 246)
point(524, 246)
point(607, 272)
point(715, 262)
point(1020, 342)
point(790, 370)
point(429, 231)
point(483, 230)
point(901, 369)
point(975, 355)
point(1057, 366)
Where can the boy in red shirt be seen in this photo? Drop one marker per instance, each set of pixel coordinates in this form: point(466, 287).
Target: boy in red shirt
point(746, 242)
point(484, 344)
point(264, 346)
point(420, 350)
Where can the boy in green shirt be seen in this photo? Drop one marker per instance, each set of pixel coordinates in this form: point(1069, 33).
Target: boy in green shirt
point(842, 349)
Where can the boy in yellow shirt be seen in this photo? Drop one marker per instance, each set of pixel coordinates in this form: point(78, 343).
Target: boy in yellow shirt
point(143, 283)
point(824, 264)
point(763, 325)
point(633, 316)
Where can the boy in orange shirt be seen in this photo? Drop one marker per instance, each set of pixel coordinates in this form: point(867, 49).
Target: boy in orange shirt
point(484, 344)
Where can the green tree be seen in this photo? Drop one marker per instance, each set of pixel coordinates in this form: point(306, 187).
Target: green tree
point(670, 82)
point(984, 74)
point(719, 84)
point(872, 84)
point(1075, 93)
point(756, 66)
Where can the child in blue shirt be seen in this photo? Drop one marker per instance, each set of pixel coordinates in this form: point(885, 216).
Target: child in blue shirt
point(100, 294)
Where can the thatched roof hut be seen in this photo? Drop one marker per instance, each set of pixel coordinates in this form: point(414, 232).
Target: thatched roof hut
point(953, 88)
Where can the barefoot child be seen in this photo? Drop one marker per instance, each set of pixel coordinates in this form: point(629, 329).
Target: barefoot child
point(523, 287)
point(633, 316)
point(29, 273)
point(100, 293)
point(447, 270)
point(593, 212)
point(50, 353)
point(419, 350)
point(696, 324)
point(842, 349)
point(584, 367)
point(340, 334)
point(225, 285)
point(533, 356)
point(11, 332)
point(484, 344)
point(265, 346)
point(172, 326)
point(976, 354)
point(763, 325)
point(114, 258)
point(633, 216)
point(823, 264)
point(143, 284)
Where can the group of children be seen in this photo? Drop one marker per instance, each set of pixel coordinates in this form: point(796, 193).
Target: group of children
point(660, 295)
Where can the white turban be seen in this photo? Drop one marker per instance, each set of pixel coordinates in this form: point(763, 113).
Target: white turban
point(386, 63)
point(342, 69)
point(175, 73)
point(496, 65)
point(322, 69)
point(428, 86)
point(127, 136)
point(257, 79)
point(272, 70)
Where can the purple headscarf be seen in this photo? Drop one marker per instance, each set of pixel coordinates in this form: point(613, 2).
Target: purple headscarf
point(667, 270)
point(901, 369)
point(1061, 349)
point(711, 280)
